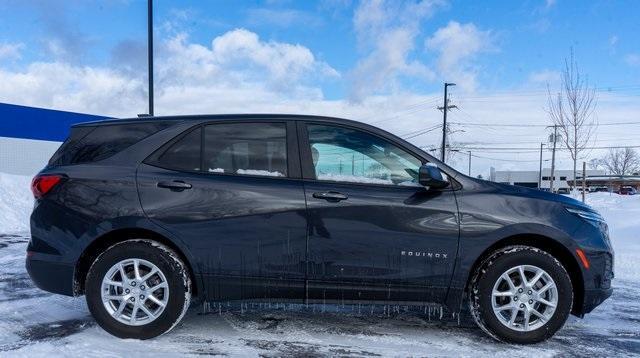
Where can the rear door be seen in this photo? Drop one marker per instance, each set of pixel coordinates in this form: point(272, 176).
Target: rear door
point(374, 232)
point(232, 193)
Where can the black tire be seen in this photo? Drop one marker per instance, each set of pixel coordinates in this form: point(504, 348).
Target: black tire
point(488, 273)
point(175, 271)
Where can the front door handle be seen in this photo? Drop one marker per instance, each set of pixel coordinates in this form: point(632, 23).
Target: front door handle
point(332, 196)
point(175, 185)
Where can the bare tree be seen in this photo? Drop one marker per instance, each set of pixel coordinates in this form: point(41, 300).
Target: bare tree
point(595, 163)
point(621, 161)
point(571, 110)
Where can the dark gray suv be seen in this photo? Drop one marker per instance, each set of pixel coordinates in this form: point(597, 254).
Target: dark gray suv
point(143, 215)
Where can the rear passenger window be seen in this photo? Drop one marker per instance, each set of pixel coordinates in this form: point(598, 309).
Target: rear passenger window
point(183, 154)
point(92, 144)
point(246, 149)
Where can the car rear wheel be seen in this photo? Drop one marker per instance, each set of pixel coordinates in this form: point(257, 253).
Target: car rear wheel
point(521, 294)
point(138, 289)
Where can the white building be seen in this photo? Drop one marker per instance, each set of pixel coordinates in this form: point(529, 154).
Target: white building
point(530, 178)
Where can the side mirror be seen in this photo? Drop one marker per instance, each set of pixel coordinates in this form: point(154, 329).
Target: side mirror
point(430, 175)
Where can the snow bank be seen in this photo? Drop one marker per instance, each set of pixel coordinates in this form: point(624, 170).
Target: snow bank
point(622, 213)
point(16, 202)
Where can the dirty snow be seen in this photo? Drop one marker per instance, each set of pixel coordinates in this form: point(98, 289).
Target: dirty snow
point(34, 323)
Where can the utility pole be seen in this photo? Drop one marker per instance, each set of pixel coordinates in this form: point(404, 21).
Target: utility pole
point(150, 52)
point(584, 180)
point(445, 107)
point(469, 163)
point(553, 156)
point(540, 173)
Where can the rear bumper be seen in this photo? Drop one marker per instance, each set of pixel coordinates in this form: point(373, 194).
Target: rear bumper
point(50, 276)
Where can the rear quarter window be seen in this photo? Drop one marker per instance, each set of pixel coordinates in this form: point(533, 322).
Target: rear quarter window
point(91, 144)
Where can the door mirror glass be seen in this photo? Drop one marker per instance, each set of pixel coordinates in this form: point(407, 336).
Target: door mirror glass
point(431, 176)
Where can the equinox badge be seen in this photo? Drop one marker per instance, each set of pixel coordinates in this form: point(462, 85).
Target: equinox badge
point(430, 255)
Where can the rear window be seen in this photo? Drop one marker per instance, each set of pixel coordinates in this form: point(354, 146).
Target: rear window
point(91, 144)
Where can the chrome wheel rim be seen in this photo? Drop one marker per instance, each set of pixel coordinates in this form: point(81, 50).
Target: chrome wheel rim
point(524, 298)
point(135, 292)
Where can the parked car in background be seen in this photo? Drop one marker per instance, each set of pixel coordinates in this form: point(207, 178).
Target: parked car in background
point(599, 189)
point(627, 190)
point(142, 215)
point(564, 191)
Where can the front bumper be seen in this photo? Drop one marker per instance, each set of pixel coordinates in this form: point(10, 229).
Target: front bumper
point(593, 298)
point(597, 280)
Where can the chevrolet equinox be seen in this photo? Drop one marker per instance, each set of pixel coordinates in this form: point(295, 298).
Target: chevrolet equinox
point(143, 215)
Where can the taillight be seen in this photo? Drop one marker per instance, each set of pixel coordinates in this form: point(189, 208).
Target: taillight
point(42, 184)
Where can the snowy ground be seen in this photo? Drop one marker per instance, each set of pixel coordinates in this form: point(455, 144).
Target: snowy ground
point(35, 323)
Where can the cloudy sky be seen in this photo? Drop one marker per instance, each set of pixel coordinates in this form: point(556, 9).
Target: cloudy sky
point(381, 62)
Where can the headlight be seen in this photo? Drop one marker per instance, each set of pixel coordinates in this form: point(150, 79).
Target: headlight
point(590, 216)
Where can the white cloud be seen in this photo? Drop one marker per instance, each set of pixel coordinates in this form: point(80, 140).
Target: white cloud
point(238, 66)
point(11, 51)
point(457, 44)
point(238, 72)
point(71, 87)
point(240, 57)
point(549, 3)
point(632, 59)
point(386, 33)
point(544, 77)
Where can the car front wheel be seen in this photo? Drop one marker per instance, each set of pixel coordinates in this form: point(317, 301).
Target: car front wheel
point(521, 294)
point(138, 289)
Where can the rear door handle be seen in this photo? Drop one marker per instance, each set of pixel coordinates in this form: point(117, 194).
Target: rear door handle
point(332, 196)
point(175, 185)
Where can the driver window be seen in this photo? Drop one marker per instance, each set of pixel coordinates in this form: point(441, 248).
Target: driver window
point(346, 155)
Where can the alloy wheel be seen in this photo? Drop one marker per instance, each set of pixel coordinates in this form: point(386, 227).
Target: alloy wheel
point(524, 298)
point(135, 292)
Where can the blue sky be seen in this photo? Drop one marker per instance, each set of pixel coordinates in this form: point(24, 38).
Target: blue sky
point(527, 37)
point(377, 61)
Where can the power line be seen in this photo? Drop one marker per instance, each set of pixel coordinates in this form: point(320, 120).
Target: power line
point(617, 140)
point(414, 108)
point(504, 160)
point(537, 92)
point(420, 132)
point(537, 125)
point(536, 149)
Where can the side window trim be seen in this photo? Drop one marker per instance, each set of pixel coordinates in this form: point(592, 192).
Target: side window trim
point(306, 158)
point(294, 166)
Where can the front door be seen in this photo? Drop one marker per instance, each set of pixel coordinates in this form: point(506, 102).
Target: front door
point(374, 233)
point(228, 192)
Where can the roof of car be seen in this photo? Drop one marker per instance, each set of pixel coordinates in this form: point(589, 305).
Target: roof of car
point(218, 117)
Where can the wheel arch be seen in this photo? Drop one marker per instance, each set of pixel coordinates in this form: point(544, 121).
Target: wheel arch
point(97, 246)
point(549, 245)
